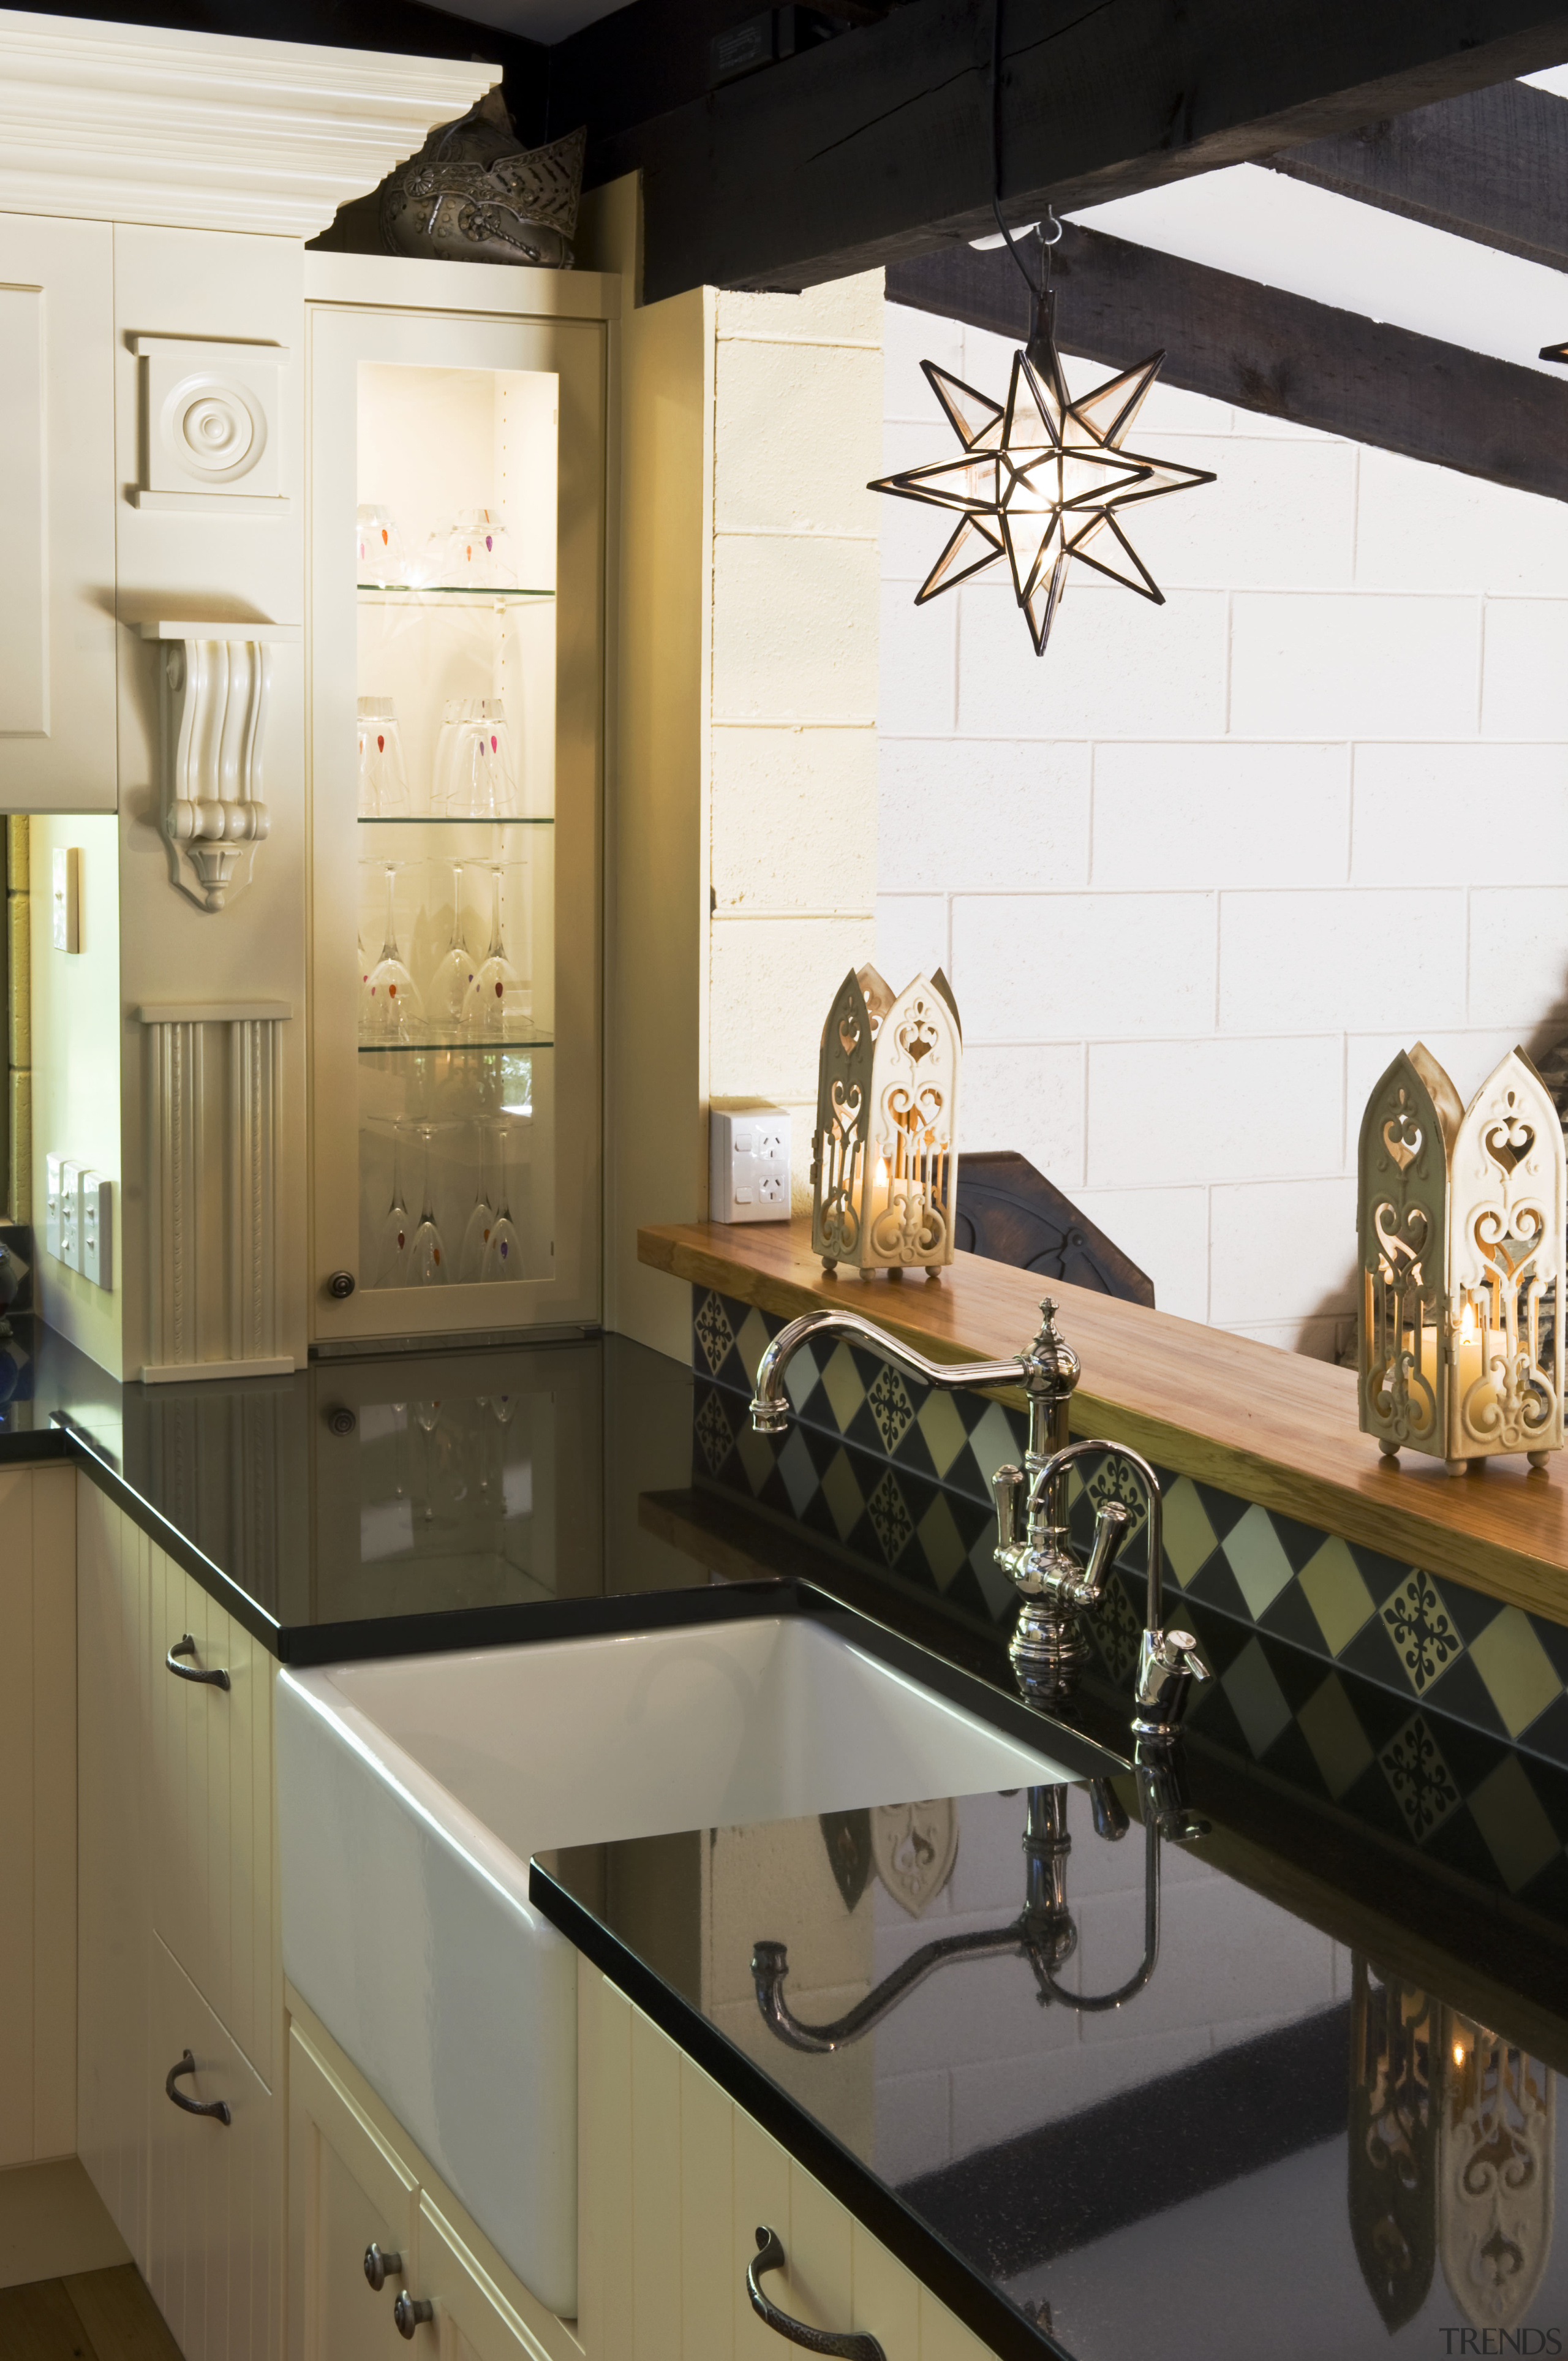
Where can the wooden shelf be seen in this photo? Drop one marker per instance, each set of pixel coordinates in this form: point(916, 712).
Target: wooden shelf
point(1255, 1421)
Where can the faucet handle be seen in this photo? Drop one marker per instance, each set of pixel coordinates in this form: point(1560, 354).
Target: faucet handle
point(1112, 1522)
point(1168, 1664)
point(1007, 1491)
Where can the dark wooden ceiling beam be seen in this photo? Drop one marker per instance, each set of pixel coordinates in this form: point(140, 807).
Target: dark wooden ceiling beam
point(877, 146)
point(1491, 165)
point(1266, 350)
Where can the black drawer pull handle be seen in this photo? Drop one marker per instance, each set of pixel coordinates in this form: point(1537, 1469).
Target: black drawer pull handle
point(186, 1646)
point(408, 2312)
point(218, 2108)
point(770, 2256)
point(379, 2267)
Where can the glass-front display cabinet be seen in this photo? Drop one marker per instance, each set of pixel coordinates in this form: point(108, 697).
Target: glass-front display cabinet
point(457, 570)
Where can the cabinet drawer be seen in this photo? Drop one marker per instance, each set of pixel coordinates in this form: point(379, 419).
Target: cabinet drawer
point(213, 2244)
point(210, 1810)
point(347, 2191)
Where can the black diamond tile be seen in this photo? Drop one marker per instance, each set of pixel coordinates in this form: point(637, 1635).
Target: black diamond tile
point(1460, 1693)
point(1370, 1800)
point(1212, 1711)
point(1549, 1780)
point(1217, 1586)
point(913, 1451)
point(1223, 1510)
point(1373, 1654)
point(1470, 1610)
point(1548, 1733)
point(1553, 1638)
point(1290, 1617)
point(1291, 1757)
point(1547, 1894)
point(1300, 1542)
point(1459, 1845)
point(1381, 1573)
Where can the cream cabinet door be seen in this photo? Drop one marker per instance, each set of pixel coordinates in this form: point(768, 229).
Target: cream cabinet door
point(347, 2191)
point(213, 2235)
point(471, 2319)
point(210, 1808)
point(112, 1909)
point(56, 515)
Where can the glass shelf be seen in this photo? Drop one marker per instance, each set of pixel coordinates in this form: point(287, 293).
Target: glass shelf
point(462, 1048)
point(457, 819)
point(454, 594)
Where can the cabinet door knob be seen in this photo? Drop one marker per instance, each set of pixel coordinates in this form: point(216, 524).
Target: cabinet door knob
point(379, 2267)
point(218, 2108)
point(852, 2345)
point(340, 1286)
point(185, 1646)
point(408, 2311)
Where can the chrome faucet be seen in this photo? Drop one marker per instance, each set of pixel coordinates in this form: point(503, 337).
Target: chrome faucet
point(1049, 1646)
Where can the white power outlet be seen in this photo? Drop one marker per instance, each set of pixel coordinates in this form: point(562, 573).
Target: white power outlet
point(52, 1238)
point(96, 1230)
point(71, 1213)
point(748, 1177)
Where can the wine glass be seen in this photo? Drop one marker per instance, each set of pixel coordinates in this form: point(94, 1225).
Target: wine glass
point(454, 713)
point(481, 1221)
point(396, 1237)
point(380, 562)
point(482, 784)
point(390, 1008)
point(449, 985)
point(503, 1249)
point(473, 550)
point(383, 782)
point(427, 1255)
point(498, 998)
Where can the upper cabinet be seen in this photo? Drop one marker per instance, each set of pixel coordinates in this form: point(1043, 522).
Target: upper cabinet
point(56, 515)
point(456, 563)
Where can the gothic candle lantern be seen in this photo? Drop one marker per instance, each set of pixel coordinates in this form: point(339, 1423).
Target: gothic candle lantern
point(1460, 1219)
point(884, 1161)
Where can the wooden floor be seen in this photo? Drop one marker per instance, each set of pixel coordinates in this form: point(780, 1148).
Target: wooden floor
point(98, 2316)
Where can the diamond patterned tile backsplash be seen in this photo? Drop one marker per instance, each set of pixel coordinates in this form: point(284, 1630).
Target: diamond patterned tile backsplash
point(1416, 1704)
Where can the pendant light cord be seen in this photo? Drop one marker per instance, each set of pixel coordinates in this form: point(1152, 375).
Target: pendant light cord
point(1037, 293)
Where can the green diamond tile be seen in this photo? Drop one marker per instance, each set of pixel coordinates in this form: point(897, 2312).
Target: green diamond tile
point(1256, 1698)
point(939, 1537)
point(842, 1494)
point(1521, 1679)
point(942, 1427)
point(993, 1442)
point(1519, 1836)
point(1258, 1559)
point(751, 1342)
point(1190, 1538)
point(1339, 1744)
point(1333, 1589)
point(841, 1383)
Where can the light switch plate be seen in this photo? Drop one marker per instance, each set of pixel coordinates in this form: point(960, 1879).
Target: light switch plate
point(65, 898)
point(97, 1230)
point(748, 1176)
point(71, 1213)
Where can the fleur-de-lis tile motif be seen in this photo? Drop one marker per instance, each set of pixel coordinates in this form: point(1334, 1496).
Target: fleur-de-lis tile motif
point(1419, 1627)
point(714, 1333)
point(891, 1518)
point(1422, 1784)
point(891, 1408)
point(713, 1433)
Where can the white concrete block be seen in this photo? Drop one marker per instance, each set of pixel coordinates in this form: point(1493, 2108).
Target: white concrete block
point(1082, 966)
point(1351, 665)
point(909, 337)
point(912, 533)
point(1166, 1232)
point(911, 937)
point(1425, 527)
point(1281, 1250)
point(1301, 962)
point(1463, 815)
point(771, 983)
point(794, 631)
point(798, 437)
point(1116, 665)
point(978, 813)
point(1278, 513)
point(919, 663)
point(1228, 813)
point(1519, 955)
point(1525, 675)
point(1030, 1099)
point(794, 817)
point(1161, 1112)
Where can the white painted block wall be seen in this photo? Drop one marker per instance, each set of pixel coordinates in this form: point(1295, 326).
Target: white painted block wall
point(1198, 872)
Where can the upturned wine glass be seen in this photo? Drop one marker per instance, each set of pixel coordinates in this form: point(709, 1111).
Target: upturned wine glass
point(427, 1254)
point(481, 1221)
point(503, 1249)
point(396, 1235)
point(450, 984)
point(497, 1002)
point(383, 781)
point(390, 1008)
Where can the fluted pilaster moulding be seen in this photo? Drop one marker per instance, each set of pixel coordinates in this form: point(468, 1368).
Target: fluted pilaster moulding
point(136, 123)
point(213, 1097)
point(212, 724)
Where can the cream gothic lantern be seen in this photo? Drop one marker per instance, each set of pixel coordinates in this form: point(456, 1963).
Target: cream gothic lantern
point(884, 1161)
point(1460, 1220)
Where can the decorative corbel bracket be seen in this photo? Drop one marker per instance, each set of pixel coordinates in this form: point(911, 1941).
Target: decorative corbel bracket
point(213, 716)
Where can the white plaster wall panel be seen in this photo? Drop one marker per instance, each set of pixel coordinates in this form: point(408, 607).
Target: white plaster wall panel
point(1281, 1249)
point(1169, 1111)
point(1029, 1099)
point(795, 441)
point(1431, 528)
point(1307, 667)
point(1524, 691)
point(794, 812)
point(1463, 815)
point(1293, 963)
point(751, 1052)
point(1119, 666)
point(1231, 812)
point(1166, 1231)
point(839, 311)
point(920, 687)
point(794, 629)
point(909, 337)
point(912, 940)
point(982, 814)
point(1519, 952)
point(1227, 535)
point(1137, 965)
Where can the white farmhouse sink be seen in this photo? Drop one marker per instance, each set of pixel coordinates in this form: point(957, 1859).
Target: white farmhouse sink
point(412, 1792)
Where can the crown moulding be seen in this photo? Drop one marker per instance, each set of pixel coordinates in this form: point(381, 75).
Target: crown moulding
point(134, 123)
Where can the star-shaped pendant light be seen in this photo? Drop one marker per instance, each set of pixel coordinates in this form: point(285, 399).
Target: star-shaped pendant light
point(1043, 480)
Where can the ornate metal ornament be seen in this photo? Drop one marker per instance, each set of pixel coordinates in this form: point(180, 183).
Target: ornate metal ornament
point(884, 1163)
point(1394, 2055)
point(1495, 2154)
point(1460, 1222)
point(914, 1847)
point(475, 194)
